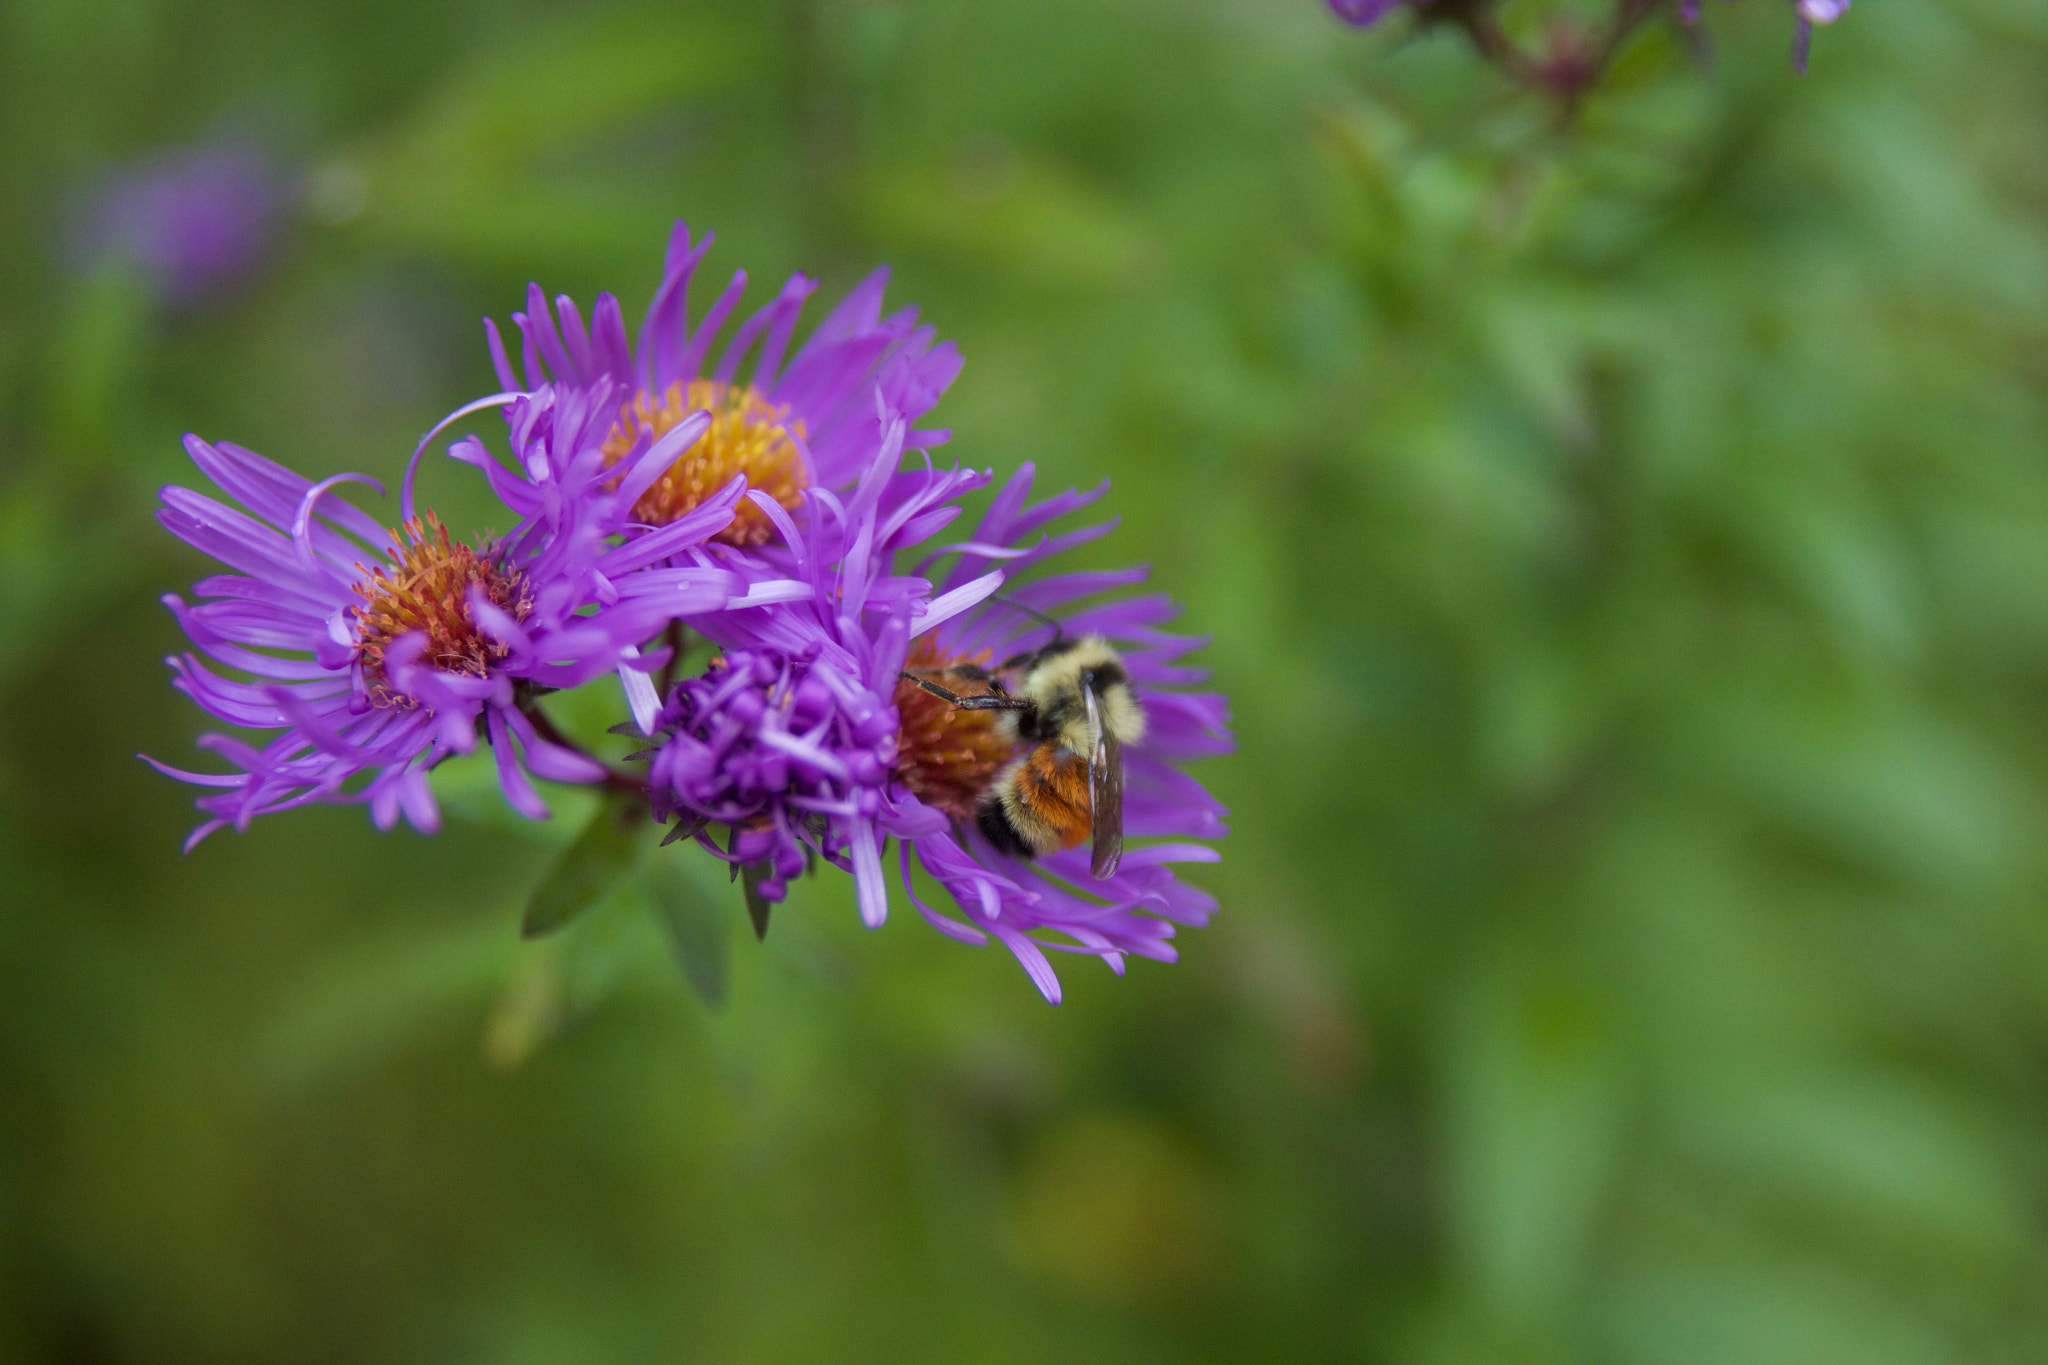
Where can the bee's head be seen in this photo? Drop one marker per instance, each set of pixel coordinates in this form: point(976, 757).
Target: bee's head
point(1086, 663)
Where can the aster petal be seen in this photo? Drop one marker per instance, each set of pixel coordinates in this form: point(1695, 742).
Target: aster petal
point(641, 698)
point(1047, 593)
point(574, 339)
point(997, 522)
point(964, 598)
point(1033, 960)
point(1156, 854)
point(416, 799)
point(538, 323)
point(248, 622)
point(242, 543)
point(972, 547)
point(512, 490)
point(708, 518)
point(197, 779)
point(302, 521)
point(243, 704)
point(610, 350)
point(772, 591)
point(496, 343)
point(1050, 546)
point(519, 793)
point(870, 888)
point(405, 501)
point(699, 345)
point(809, 752)
point(666, 330)
point(1182, 725)
point(779, 315)
point(266, 487)
point(659, 455)
point(857, 313)
point(546, 758)
point(205, 625)
point(951, 928)
point(916, 376)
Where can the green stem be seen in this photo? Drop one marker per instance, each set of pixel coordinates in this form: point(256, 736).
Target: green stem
point(675, 639)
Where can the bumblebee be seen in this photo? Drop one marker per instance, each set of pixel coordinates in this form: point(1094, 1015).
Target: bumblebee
point(1069, 709)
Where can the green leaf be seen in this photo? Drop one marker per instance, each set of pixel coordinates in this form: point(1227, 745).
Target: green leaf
point(589, 868)
point(758, 905)
point(693, 926)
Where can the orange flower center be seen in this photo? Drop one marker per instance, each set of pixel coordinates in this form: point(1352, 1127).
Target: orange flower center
point(947, 757)
point(748, 435)
point(428, 591)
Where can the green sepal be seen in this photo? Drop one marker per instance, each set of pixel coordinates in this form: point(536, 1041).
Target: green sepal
point(758, 905)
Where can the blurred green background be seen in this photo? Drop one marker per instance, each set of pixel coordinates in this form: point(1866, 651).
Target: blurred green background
point(1626, 548)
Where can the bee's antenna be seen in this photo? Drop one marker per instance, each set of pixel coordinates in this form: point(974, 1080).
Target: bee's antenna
point(1059, 632)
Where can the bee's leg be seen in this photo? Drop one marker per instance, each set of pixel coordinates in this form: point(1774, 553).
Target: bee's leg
point(992, 702)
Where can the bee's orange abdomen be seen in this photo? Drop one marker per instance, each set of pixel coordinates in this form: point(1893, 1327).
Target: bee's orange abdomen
point(1052, 787)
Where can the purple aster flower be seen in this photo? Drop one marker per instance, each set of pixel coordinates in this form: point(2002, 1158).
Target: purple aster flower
point(805, 734)
point(789, 738)
point(196, 221)
point(1811, 12)
point(947, 758)
point(570, 484)
point(788, 423)
point(1363, 12)
point(569, 477)
point(378, 655)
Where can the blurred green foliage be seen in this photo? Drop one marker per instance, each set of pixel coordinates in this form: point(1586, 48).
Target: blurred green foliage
point(1627, 547)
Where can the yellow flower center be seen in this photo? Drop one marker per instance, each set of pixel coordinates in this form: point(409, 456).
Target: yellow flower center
point(428, 590)
point(748, 435)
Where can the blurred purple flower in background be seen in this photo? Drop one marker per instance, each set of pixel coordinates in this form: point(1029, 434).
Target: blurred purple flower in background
point(1575, 57)
point(1363, 12)
point(196, 221)
point(1811, 12)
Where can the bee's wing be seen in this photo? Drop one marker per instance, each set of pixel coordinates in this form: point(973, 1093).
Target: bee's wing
point(1105, 790)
